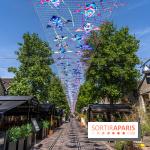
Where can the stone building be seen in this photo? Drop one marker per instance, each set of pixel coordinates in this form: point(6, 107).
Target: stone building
point(144, 95)
point(4, 87)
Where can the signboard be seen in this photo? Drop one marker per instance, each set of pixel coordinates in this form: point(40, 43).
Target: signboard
point(114, 131)
point(63, 119)
point(34, 101)
point(3, 137)
point(36, 126)
point(83, 121)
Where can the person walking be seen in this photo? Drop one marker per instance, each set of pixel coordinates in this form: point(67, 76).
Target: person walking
point(69, 118)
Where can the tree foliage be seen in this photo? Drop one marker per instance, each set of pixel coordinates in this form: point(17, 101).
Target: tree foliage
point(88, 94)
point(112, 65)
point(34, 75)
point(57, 96)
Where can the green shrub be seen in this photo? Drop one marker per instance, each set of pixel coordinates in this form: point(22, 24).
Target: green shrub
point(26, 130)
point(44, 124)
point(119, 145)
point(13, 134)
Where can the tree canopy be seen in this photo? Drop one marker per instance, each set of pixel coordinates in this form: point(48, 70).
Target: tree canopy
point(34, 75)
point(57, 96)
point(112, 64)
point(88, 94)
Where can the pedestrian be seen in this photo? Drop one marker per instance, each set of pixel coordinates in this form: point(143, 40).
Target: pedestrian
point(69, 118)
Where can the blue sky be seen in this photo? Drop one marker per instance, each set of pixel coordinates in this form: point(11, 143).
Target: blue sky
point(18, 17)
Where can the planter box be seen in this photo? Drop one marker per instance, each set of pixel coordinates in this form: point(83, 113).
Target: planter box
point(11, 146)
point(41, 134)
point(47, 130)
point(20, 145)
point(45, 133)
point(27, 142)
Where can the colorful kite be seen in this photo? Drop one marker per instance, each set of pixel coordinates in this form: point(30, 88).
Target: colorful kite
point(57, 21)
point(88, 11)
point(85, 46)
point(60, 38)
point(60, 45)
point(88, 27)
point(78, 38)
point(54, 2)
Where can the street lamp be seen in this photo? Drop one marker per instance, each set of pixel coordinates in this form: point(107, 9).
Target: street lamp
point(146, 71)
point(6, 93)
point(96, 102)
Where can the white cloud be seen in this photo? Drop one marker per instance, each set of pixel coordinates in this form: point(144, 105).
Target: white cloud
point(141, 33)
point(141, 3)
point(144, 32)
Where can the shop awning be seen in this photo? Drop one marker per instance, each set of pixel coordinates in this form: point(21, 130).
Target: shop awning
point(8, 105)
point(16, 98)
point(106, 107)
point(10, 102)
point(47, 106)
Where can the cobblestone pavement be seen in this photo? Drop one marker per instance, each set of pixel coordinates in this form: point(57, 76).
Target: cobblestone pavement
point(70, 136)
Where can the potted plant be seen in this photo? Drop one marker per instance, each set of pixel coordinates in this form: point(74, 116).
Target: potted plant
point(13, 135)
point(20, 145)
point(47, 128)
point(43, 129)
point(50, 129)
point(26, 133)
point(41, 133)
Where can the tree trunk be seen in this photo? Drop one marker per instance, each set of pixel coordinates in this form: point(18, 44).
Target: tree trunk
point(111, 110)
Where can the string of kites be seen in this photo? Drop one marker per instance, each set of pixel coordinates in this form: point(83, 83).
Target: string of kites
point(87, 11)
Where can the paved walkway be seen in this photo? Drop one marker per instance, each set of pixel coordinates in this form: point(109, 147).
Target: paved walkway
point(70, 136)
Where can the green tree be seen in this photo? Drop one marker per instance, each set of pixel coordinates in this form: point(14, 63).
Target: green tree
point(33, 77)
point(112, 65)
point(56, 94)
point(88, 94)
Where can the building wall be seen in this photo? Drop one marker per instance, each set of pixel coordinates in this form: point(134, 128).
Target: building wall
point(104, 101)
point(144, 87)
point(144, 90)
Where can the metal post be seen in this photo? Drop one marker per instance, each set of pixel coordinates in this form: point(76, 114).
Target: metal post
point(5, 141)
point(35, 139)
point(28, 112)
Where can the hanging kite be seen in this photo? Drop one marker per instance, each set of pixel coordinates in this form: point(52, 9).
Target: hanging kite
point(78, 38)
point(54, 2)
point(60, 38)
point(88, 27)
point(57, 21)
point(60, 45)
point(88, 11)
point(85, 46)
